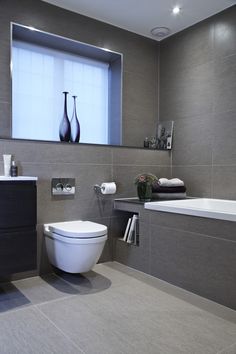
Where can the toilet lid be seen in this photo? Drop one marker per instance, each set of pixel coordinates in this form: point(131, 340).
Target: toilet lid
point(78, 229)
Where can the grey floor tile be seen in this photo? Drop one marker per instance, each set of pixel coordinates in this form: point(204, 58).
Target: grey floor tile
point(87, 283)
point(85, 328)
point(29, 332)
point(116, 277)
point(177, 293)
point(114, 310)
point(11, 298)
point(42, 289)
point(139, 318)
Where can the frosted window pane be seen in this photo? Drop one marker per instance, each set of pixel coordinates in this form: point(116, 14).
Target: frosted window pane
point(40, 75)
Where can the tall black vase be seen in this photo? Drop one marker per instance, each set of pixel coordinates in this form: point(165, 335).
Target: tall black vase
point(64, 130)
point(74, 124)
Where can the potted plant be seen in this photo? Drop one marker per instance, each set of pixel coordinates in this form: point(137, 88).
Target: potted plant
point(144, 183)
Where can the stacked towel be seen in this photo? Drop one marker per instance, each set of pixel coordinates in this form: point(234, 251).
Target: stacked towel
point(174, 182)
point(168, 189)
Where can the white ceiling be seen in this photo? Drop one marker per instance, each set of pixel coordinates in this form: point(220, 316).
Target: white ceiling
point(141, 16)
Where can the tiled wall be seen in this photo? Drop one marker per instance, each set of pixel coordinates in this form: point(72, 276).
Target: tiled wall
point(140, 111)
point(197, 91)
point(89, 165)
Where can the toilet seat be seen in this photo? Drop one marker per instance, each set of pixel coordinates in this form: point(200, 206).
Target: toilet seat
point(76, 230)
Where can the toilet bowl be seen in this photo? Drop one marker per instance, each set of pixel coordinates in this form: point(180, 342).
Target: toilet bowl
point(74, 246)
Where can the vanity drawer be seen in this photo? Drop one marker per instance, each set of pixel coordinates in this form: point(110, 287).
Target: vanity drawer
point(18, 251)
point(17, 204)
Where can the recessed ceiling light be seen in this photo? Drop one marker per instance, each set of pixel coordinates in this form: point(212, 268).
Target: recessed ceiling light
point(176, 10)
point(160, 32)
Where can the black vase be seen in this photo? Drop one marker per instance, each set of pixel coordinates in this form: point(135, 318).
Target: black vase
point(64, 130)
point(144, 190)
point(74, 125)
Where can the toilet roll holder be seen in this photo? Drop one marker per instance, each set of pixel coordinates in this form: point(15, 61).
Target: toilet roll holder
point(98, 189)
point(101, 189)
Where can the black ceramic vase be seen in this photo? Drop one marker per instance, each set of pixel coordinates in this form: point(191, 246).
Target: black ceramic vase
point(64, 130)
point(74, 125)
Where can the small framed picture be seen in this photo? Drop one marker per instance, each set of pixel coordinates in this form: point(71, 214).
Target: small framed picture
point(164, 135)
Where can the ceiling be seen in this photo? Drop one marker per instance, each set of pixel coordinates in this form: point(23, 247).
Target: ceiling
point(141, 16)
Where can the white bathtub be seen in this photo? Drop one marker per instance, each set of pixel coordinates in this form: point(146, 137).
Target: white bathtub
point(204, 207)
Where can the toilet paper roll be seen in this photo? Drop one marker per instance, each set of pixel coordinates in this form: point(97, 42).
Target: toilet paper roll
point(108, 188)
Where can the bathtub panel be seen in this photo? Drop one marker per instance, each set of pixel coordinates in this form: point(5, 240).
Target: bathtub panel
point(201, 264)
point(212, 227)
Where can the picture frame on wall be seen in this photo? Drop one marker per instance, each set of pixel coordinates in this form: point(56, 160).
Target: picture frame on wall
point(165, 135)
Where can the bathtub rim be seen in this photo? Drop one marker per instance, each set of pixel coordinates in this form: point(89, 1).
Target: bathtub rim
point(165, 206)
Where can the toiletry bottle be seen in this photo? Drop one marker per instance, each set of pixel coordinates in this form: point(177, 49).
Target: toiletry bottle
point(7, 165)
point(146, 143)
point(14, 169)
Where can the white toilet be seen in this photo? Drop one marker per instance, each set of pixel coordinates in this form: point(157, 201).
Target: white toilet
point(75, 246)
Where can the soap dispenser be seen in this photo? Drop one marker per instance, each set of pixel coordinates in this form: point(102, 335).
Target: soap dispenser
point(14, 169)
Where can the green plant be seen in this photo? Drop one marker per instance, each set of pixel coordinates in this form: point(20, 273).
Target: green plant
point(145, 178)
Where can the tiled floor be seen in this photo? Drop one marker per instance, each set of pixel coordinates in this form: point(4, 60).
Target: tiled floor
point(111, 310)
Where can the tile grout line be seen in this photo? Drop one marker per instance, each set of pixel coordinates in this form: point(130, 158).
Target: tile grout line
point(196, 233)
point(63, 334)
point(95, 164)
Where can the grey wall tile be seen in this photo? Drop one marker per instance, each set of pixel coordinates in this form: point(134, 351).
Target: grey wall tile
point(224, 132)
point(5, 93)
point(225, 33)
point(138, 94)
point(197, 179)
point(5, 124)
point(139, 128)
point(190, 94)
point(223, 182)
point(37, 152)
point(131, 157)
point(188, 48)
point(224, 85)
point(144, 62)
point(193, 141)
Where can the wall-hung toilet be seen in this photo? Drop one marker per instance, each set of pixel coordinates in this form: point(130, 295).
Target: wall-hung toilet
point(75, 246)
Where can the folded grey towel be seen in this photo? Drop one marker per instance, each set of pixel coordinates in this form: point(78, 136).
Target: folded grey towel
point(174, 182)
point(169, 196)
point(156, 188)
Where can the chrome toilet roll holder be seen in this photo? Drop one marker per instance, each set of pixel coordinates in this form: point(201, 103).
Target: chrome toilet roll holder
point(98, 189)
point(105, 188)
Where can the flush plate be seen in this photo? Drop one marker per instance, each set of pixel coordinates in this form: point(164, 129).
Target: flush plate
point(63, 186)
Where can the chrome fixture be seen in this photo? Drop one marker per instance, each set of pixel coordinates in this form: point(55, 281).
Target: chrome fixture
point(63, 186)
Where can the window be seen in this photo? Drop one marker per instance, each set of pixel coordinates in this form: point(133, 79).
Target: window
point(40, 75)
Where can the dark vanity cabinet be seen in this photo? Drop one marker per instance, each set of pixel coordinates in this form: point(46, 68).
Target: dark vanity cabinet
point(18, 238)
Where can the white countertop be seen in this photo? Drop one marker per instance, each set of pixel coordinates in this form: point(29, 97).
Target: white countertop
point(18, 178)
